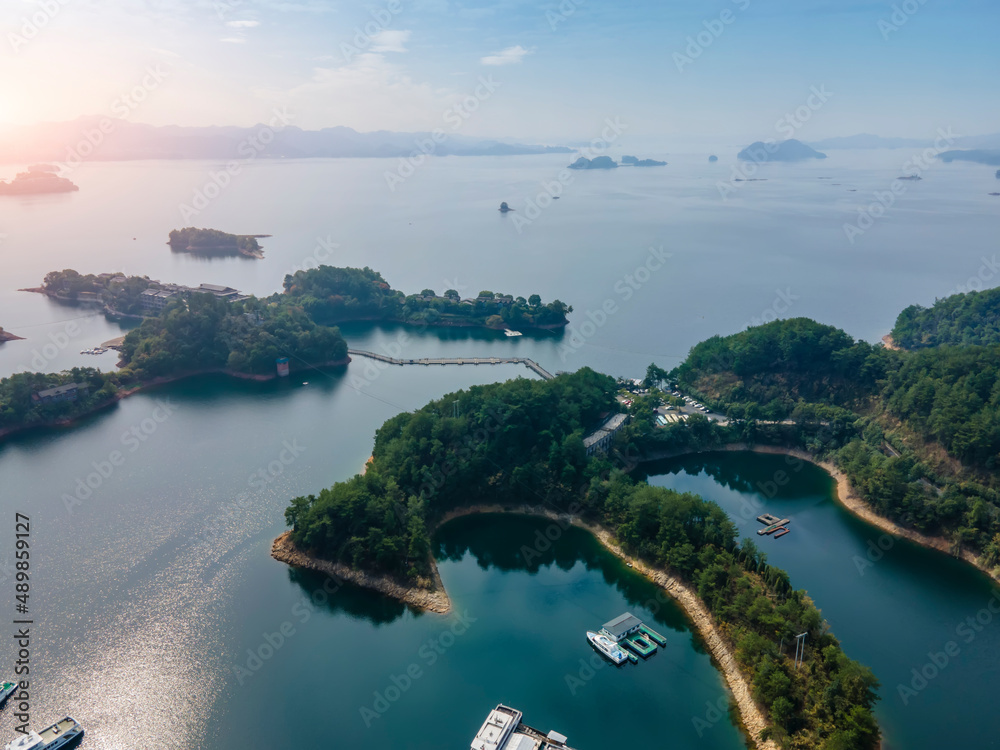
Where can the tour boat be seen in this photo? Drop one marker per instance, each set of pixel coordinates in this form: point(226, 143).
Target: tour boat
point(509, 332)
point(63, 733)
point(6, 690)
point(606, 647)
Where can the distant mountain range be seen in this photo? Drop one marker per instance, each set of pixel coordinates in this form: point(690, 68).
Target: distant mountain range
point(866, 140)
point(107, 139)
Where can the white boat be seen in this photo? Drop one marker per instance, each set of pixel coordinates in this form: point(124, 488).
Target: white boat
point(606, 647)
point(503, 730)
point(63, 733)
point(509, 332)
point(7, 689)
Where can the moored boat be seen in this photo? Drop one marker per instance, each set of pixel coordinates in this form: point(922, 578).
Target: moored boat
point(7, 689)
point(606, 647)
point(63, 733)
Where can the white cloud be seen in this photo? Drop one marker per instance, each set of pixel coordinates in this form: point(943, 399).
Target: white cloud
point(233, 40)
point(370, 93)
point(243, 24)
point(509, 56)
point(390, 40)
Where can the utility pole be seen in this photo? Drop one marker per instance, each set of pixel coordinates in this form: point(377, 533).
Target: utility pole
point(800, 648)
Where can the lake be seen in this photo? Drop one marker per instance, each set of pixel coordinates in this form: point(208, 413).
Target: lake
point(150, 585)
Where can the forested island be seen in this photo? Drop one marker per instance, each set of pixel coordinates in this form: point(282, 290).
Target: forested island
point(195, 334)
point(522, 441)
point(39, 179)
point(916, 433)
point(338, 295)
point(214, 242)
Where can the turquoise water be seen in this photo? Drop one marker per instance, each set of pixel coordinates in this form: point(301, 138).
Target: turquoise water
point(149, 594)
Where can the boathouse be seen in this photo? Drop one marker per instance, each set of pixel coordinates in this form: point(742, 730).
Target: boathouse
point(622, 626)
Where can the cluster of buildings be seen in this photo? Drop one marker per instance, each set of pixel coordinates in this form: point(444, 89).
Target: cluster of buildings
point(599, 441)
point(156, 299)
point(68, 392)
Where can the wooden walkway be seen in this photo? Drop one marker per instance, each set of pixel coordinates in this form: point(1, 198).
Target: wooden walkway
point(529, 363)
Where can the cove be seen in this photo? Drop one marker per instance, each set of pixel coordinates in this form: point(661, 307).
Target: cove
point(894, 606)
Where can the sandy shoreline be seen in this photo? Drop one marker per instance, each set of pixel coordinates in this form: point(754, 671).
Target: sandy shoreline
point(752, 718)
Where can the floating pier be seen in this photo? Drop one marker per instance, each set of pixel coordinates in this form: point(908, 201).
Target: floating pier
point(529, 363)
point(781, 533)
point(652, 634)
point(767, 519)
point(641, 645)
point(773, 527)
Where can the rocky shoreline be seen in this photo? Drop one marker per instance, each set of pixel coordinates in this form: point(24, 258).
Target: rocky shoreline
point(436, 600)
point(421, 595)
point(8, 336)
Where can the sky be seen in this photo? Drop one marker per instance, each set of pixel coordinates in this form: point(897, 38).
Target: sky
point(545, 72)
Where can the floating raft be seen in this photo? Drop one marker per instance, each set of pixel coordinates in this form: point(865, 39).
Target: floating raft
point(653, 635)
point(640, 645)
point(773, 527)
point(767, 519)
point(781, 533)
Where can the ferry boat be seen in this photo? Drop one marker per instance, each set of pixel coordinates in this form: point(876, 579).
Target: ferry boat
point(509, 332)
point(606, 647)
point(504, 730)
point(64, 733)
point(6, 690)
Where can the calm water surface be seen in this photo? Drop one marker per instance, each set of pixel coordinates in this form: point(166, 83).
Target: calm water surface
point(149, 594)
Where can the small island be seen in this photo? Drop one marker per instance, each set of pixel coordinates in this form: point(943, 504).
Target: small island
point(598, 162)
point(633, 161)
point(989, 157)
point(913, 177)
point(214, 242)
point(38, 180)
point(5, 336)
point(787, 151)
point(713, 158)
point(504, 208)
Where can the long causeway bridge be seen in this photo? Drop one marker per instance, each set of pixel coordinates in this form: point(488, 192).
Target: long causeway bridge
point(529, 363)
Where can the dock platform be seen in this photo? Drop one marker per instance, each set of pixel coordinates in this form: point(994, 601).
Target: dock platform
point(653, 635)
point(640, 644)
point(767, 519)
point(781, 532)
point(773, 527)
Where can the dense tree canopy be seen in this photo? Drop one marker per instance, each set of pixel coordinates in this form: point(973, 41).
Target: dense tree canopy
point(972, 318)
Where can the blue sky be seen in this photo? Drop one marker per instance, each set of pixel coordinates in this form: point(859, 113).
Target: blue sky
point(559, 70)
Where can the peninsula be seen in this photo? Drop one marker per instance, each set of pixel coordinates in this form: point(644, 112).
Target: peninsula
point(636, 162)
point(214, 242)
point(7, 336)
point(39, 179)
point(379, 525)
